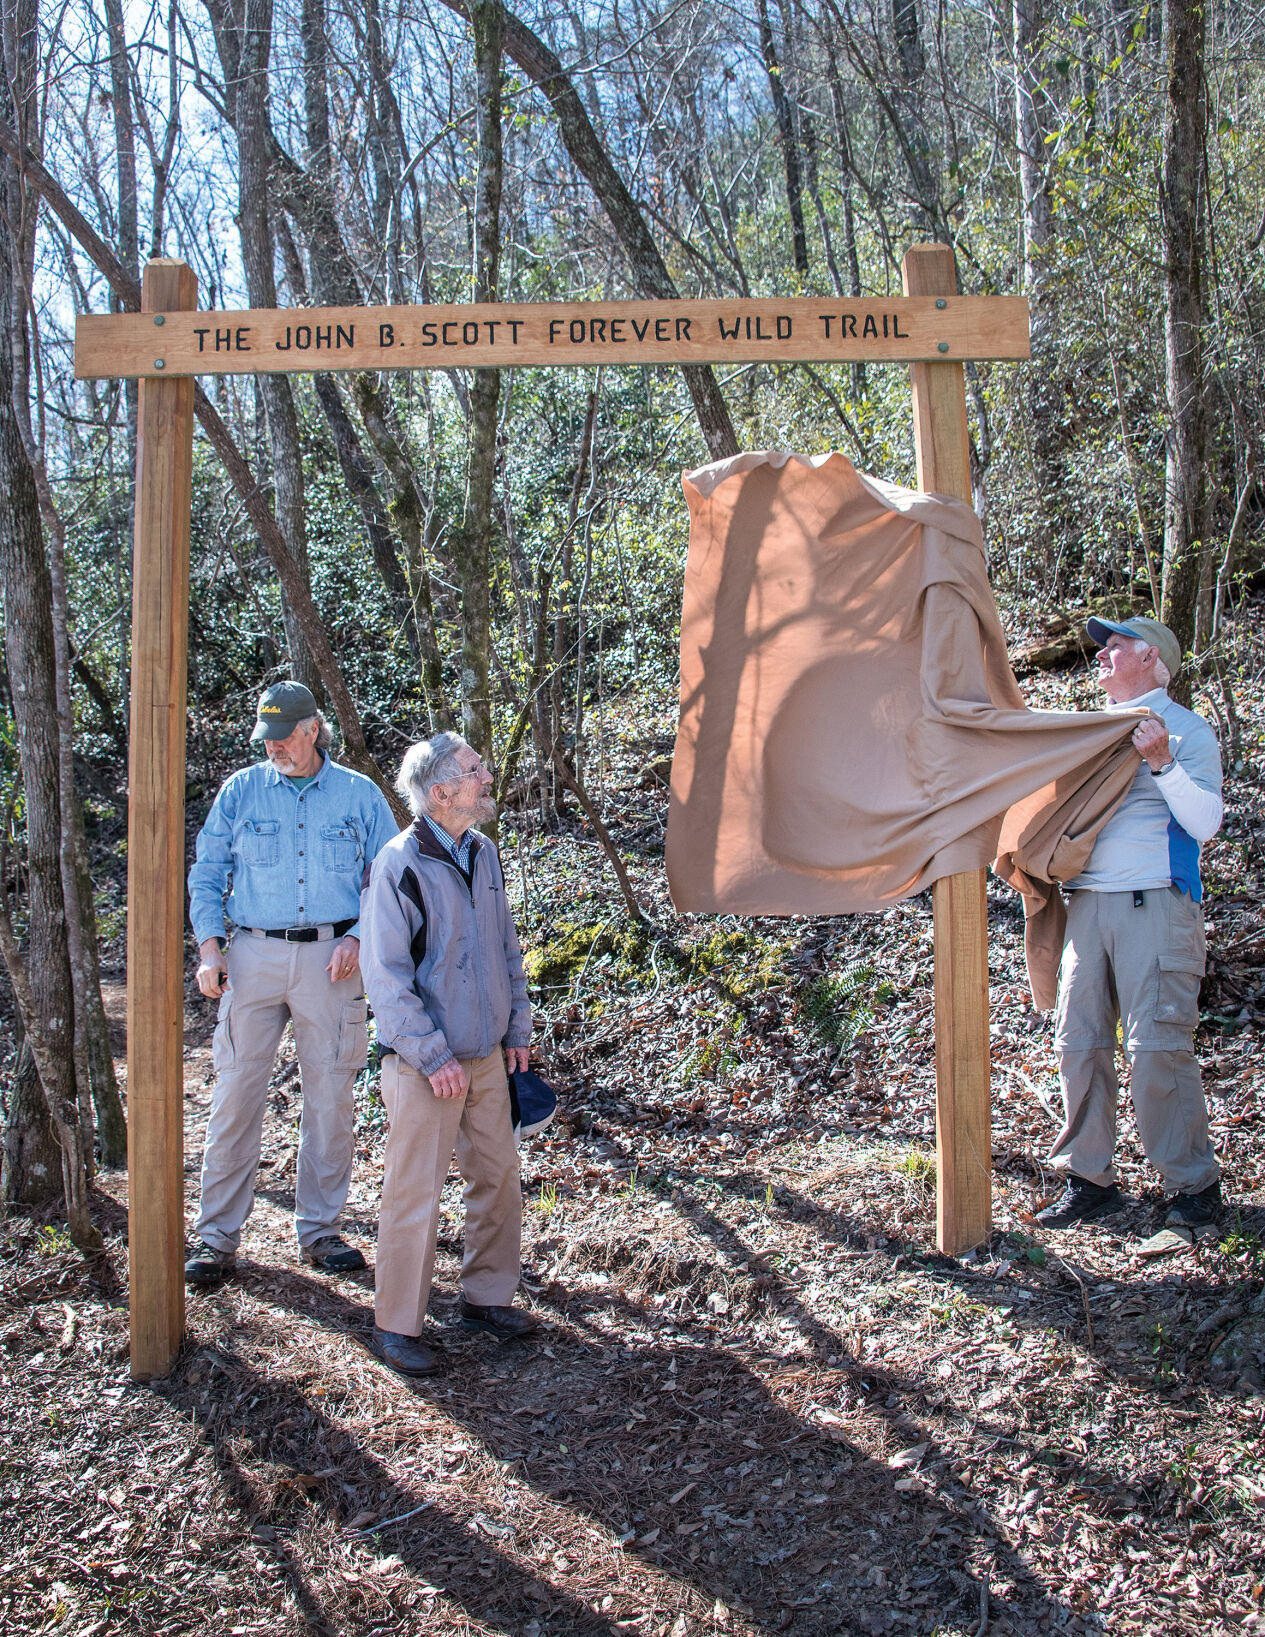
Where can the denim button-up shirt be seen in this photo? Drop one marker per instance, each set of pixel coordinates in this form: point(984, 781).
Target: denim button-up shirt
point(287, 857)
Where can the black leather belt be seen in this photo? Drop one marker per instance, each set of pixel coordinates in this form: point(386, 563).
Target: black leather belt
point(307, 934)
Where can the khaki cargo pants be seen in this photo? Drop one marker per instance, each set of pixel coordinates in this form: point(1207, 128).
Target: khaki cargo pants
point(1140, 964)
point(272, 982)
point(424, 1133)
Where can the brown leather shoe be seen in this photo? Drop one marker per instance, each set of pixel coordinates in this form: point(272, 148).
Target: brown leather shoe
point(403, 1353)
point(507, 1323)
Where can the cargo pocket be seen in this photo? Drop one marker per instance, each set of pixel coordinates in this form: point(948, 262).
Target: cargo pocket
point(1177, 992)
point(223, 1051)
point(353, 1035)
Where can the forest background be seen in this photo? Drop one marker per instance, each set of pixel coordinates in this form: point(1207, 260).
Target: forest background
point(503, 551)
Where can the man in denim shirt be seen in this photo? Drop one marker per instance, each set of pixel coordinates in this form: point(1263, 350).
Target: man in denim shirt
point(288, 841)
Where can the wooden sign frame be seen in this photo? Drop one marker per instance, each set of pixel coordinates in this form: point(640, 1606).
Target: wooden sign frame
point(802, 329)
point(168, 343)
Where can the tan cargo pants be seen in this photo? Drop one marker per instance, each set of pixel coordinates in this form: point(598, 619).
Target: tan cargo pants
point(272, 982)
point(424, 1132)
point(1141, 965)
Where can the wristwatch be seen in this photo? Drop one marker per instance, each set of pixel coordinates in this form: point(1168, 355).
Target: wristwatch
point(1158, 772)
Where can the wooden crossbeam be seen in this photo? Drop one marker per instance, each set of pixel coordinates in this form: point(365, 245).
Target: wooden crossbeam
point(805, 329)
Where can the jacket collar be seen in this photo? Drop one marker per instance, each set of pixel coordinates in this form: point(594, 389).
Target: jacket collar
point(1154, 699)
point(430, 847)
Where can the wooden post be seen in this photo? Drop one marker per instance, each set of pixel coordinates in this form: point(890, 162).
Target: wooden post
point(963, 1111)
point(155, 842)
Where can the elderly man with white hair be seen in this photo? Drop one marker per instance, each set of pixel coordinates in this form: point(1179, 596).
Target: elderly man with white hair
point(1133, 953)
point(444, 973)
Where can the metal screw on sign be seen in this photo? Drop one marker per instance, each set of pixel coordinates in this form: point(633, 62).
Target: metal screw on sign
point(160, 363)
point(942, 346)
point(941, 303)
point(160, 319)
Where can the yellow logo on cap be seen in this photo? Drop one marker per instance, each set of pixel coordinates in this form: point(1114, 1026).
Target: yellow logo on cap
point(270, 710)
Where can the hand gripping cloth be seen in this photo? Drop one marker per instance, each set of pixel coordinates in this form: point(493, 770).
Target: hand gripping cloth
point(850, 728)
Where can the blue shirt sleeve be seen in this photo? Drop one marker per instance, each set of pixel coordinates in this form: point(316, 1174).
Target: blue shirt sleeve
point(213, 866)
point(380, 828)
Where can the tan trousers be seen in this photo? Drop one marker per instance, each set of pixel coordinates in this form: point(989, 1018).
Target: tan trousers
point(270, 982)
point(424, 1131)
point(1140, 964)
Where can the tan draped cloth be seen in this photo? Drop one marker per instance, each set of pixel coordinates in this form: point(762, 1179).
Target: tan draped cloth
point(850, 728)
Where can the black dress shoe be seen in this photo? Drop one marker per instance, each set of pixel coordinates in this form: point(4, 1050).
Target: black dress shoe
point(506, 1322)
point(1081, 1201)
point(404, 1353)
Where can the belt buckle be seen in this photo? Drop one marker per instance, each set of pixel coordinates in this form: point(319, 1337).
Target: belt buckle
point(295, 935)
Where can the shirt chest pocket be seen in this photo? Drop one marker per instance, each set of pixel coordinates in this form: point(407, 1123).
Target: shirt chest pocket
point(340, 847)
point(261, 843)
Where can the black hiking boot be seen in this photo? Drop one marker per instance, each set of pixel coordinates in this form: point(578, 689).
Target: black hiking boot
point(1199, 1210)
point(208, 1266)
point(1081, 1201)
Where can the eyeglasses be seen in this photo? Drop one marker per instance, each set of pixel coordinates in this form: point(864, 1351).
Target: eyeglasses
point(475, 772)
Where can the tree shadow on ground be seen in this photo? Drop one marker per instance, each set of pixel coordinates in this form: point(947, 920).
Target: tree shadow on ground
point(1162, 1287)
point(266, 1436)
point(685, 1455)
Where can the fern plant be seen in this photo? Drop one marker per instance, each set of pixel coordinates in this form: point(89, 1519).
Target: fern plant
point(840, 1006)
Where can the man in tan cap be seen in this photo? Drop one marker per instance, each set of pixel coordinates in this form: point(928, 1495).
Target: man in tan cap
point(1134, 950)
point(288, 841)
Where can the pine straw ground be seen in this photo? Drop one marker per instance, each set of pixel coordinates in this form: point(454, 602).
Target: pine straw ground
point(763, 1402)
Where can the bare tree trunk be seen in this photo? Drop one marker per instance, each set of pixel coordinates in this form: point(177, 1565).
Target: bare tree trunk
point(129, 215)
point(245, 46)
point(30, 1160)
point(565, 630)
point(308, 196)
point(1044, 395)
point(412, 521)
point(847, 173)
point(359, 478)
point(650, 273)
point(1182, 226)
point(916, 139)
point(472, 541)
point(96, 1087)
point(41, 976)
point(784, 113)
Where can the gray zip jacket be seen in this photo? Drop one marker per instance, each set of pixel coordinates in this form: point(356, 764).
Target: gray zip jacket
point(440, 959)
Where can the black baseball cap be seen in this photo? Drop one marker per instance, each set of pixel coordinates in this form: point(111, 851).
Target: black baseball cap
point(281, 708)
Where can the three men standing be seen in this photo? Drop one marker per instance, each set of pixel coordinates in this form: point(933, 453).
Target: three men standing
point(444, 973)
point(1134, 950)
point(288, 840)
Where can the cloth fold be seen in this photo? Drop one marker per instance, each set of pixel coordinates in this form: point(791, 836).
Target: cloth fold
point(1047, 838)
point(850, 728)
